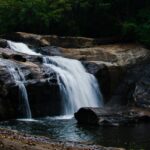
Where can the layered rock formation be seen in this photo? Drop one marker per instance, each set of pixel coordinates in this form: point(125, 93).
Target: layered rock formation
point(122, 71)
point(40, 82)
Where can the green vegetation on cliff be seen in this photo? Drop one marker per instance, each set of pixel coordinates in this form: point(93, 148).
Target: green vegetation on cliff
point(95, 18)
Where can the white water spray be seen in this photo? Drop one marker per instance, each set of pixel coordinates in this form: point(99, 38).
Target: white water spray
point(21, 48)
point(78, 88)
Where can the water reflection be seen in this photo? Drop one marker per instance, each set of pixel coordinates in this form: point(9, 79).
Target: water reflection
point(130, 137)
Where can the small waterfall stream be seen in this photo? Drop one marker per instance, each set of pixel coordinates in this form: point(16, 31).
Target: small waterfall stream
point(18, 77)
point(78, 88)
point(21, 48)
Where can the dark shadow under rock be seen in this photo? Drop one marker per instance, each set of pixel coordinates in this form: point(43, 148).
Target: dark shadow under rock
point(3, 43)
point(44, 98)
point(19, 58)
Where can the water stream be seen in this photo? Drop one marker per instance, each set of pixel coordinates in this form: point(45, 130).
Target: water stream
point(19, 79)
point(78, 88)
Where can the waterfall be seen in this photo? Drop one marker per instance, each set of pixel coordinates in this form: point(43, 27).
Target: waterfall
point(18, 77)
point(78, 88)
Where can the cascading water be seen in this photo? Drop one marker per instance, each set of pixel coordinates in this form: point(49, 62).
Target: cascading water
point(78, 88)
point(22, 48)
point(19, 79)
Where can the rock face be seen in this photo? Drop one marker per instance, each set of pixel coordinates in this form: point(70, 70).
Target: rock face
point(3, 43)
point(110, 63)
point(113, 65)
point(59, 41)
point(122, 70)
point(41, 85)
point(112, 116)
point(142, 92)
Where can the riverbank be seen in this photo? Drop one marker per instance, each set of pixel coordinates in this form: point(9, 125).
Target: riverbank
point(14, 140)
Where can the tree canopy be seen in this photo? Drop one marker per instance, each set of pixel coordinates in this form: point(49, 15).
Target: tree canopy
point(94, 18)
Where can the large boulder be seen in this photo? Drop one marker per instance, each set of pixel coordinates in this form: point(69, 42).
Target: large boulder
point(111, 116)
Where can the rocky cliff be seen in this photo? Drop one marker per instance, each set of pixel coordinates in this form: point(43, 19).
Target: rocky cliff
point(122, 70)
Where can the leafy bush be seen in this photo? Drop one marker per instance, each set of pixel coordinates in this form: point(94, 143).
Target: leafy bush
point(129, 30)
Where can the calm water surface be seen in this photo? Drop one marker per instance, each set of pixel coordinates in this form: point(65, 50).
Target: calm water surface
point(133, 137)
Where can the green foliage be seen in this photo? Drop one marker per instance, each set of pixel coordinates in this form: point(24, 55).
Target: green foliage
point(143, 30)
point(129, 30)
point(144, 34)
point(96, 18)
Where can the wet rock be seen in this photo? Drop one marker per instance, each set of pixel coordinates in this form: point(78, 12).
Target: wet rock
point(50, 51)
point(142, 92)
point(3, 43)
point(47, 40)
point(32, 39)
point(112, 116)
point(16, 57)
point(19, 58)
point(61, 41)
point(117, 54)
point(44, 96)
point(84, 48)
point(108, 75)
point(41, 84)
point(9, 104)
point(5, 56)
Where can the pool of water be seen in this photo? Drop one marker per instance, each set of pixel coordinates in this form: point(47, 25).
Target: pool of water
point(133, 137)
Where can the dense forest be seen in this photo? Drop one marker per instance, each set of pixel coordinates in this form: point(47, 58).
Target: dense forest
point(92, 18)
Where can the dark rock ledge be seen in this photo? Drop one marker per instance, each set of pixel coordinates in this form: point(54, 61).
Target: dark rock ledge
point(12, 140)
point(112, 116)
